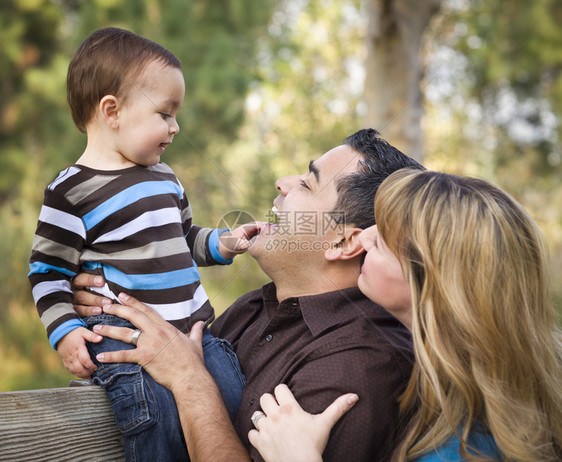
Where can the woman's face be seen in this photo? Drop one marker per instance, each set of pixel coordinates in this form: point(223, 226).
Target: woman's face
point(381, 277)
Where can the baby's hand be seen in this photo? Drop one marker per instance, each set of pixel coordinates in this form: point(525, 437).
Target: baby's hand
point(237, 241)
point(74, 354)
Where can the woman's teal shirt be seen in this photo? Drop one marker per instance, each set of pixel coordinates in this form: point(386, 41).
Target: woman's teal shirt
point(449, 452)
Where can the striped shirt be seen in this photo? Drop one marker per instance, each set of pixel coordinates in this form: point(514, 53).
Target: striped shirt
point(133, 227)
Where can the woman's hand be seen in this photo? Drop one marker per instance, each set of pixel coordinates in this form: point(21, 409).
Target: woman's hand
point(286, 432)
point(168, 355)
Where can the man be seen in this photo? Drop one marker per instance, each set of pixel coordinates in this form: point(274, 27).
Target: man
point(310, 328)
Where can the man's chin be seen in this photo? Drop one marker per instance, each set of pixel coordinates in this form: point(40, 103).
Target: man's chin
point(257, 246)
point(266, 259)
point(252, 251)
point(261, 239)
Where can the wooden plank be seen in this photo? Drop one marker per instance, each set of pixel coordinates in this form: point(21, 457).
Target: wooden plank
point(58, 424)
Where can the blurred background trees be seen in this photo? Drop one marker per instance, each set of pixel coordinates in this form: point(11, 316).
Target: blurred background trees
point(271, 84)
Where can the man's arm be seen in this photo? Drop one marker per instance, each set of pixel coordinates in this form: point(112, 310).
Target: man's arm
point(176, 361)
point(206, 425)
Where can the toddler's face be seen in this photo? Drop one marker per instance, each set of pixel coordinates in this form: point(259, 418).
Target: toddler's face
point(147, 119)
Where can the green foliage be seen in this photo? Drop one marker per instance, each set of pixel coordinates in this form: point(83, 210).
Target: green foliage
point(29, 31)
point(514, 59)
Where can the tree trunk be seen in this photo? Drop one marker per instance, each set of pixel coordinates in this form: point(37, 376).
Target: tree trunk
point(392, 86)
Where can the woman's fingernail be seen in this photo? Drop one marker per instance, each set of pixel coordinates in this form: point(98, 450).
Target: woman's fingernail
point(96, 328)
point(123, 296)
point(100, 357)
point(98, 281)
point(106, 301)
point(97, 310)
point(352, 399)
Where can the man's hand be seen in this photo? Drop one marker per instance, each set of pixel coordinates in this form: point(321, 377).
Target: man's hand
point(87, 303)
point(232, 243)
point(75, 356)
point(160, 344)
point(176, 361)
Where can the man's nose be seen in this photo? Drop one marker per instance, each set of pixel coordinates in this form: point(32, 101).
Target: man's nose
point(285, 184)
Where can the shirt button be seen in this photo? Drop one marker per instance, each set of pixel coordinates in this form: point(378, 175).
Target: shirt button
point(252, 401)
point(269, 337)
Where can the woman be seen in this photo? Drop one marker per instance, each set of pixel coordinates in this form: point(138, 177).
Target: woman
point(465, 268)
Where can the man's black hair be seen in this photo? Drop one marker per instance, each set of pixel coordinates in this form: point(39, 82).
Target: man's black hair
point(356, 191)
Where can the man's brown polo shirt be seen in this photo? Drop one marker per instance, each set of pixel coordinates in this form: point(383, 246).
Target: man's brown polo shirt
point(322, 346)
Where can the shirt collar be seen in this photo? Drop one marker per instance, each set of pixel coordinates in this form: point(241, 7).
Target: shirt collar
point(325, 311)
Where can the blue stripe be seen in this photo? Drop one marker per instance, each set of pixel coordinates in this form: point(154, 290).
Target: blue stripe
point(64, 329)
point(157, 281)
point(91, 265)
point(129, 196)
point(214, 246)
point(40, 267)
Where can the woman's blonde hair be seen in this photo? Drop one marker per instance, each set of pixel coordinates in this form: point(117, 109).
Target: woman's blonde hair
point(488, 348)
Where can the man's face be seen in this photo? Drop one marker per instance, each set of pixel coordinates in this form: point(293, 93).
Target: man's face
point(305, 228)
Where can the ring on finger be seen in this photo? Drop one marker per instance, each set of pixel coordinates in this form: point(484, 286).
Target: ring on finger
point(135, 338)
point(256, 417)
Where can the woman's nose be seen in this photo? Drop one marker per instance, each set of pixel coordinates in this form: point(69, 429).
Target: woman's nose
point(367, 236)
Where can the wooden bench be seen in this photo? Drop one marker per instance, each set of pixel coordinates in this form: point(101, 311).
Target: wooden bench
point(59, 424)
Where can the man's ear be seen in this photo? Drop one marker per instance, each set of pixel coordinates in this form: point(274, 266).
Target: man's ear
point(346, 247)
point(109, 110)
